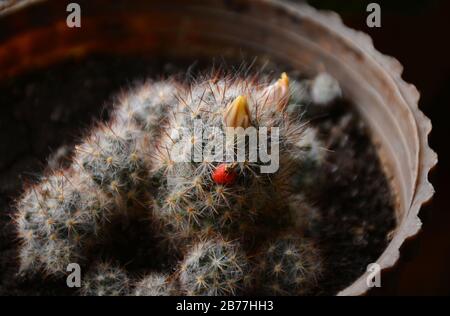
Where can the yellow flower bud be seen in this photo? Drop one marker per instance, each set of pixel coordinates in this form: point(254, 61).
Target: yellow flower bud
point(276, 96)
point(237, 113)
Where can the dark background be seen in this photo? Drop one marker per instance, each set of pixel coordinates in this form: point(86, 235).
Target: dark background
point(417, 33)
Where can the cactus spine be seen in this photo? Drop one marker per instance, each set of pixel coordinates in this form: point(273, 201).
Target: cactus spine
point(214, 267)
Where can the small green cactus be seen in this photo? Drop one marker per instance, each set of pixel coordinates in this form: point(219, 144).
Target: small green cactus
point(290, 265)
point(214, 267)
point(57, 219)
point(111, 156)
point(149, 105)
point(154, 284)
point(105, 280)
point(192, 197)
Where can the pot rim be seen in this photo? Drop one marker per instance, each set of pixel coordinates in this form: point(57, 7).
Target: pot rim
point(423, 190)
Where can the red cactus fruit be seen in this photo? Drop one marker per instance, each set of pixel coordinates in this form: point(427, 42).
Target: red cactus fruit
point(224, 174)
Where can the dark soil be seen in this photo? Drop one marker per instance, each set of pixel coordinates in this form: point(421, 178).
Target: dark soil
point(43, 113)
point(355, 205)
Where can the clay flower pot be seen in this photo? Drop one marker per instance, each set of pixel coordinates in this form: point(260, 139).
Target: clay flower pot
point(281, 31)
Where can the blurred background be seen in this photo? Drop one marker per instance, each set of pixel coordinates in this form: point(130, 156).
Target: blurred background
point(417, 33)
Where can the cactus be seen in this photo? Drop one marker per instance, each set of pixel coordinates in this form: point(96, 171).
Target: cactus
point(112, 156)
point(154, 284)
point(290, 265)
point(58, 218)
point(142, 164)
point(214, 267)
point(228, 198)
point(105, 280)
point(148, 106)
